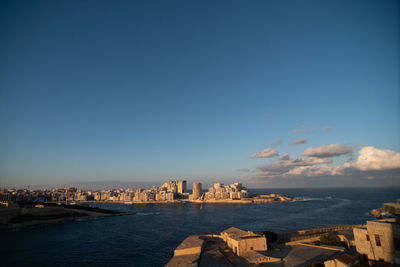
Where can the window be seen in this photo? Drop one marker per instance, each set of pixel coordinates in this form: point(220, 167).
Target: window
point(367, 236)
point(377, 240)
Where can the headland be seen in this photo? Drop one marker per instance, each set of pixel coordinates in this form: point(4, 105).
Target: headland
point(23, 207)
point(169, 192)
point(19, 215)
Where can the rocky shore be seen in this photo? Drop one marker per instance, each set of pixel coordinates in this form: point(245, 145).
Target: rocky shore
point(387, 210)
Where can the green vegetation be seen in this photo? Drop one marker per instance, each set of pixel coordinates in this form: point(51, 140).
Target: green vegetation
point(29, 217)
point(329, 240)
point(390, 209)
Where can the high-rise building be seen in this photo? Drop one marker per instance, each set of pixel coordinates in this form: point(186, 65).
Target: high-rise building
point(181, 186)
point(197, 192)
point(175, 186)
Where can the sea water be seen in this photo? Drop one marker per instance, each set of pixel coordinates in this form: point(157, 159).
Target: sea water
point(149, 237)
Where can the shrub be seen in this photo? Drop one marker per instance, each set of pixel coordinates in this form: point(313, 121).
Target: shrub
point(389, 209)
point(330, 240)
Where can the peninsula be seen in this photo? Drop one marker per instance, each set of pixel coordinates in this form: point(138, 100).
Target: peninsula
point(169, 192)
point(387, 210)
point(19, 215)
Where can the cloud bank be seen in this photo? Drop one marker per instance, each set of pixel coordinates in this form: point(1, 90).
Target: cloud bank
point(373, 159)
point(371, 163)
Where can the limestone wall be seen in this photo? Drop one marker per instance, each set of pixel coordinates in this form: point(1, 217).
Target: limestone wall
point(376, 240)
point(187, 251)
point(249, 244)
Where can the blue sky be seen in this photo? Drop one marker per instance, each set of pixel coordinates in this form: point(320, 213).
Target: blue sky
point(152, 90)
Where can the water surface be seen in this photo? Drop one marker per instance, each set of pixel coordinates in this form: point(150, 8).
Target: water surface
point(149, 237)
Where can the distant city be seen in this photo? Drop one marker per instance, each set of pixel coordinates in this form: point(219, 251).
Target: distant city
point(169, 191)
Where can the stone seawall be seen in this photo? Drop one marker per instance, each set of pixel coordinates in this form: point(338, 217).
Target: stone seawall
point(285, 237)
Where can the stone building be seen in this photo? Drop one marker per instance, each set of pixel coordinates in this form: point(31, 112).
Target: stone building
point(197, 191)
point(181, 186)
point(160, 196)
point(175, 187)
point(379, 240)
point(243, 241)
point(220, 191)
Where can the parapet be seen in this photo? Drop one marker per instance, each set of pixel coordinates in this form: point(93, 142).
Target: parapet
point(188, 252)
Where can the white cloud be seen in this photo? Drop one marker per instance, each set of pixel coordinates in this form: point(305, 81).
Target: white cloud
point(332, 150)
point(373, 159)
point(266, 153)
point(299, 141)
point(371, 163)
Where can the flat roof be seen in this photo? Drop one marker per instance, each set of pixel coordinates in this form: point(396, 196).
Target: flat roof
point(192, 241)
point(236, 233)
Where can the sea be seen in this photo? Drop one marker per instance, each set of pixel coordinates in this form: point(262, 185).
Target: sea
point(149, 237)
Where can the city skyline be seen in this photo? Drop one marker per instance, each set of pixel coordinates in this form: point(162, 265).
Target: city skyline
point(267, 93)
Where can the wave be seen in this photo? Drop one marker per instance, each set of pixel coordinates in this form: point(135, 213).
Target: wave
point(342, 203)
point(309, 199)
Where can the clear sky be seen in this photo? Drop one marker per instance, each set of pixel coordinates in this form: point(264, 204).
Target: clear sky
point(146, 91)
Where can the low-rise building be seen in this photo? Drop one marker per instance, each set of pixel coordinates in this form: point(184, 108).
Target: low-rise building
point(241, 241)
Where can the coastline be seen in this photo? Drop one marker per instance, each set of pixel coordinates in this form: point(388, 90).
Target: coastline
point(253, 200)
point(49, 213)
point(69, 214)
point(175, 201)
